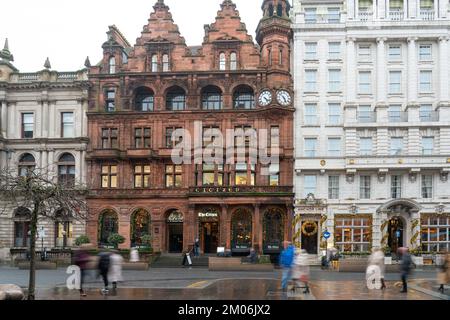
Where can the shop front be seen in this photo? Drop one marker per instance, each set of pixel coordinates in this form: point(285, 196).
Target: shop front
point(209, 230)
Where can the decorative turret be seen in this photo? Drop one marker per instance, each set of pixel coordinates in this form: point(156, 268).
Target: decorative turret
point(5, 54)
point(47, 64)
point(274, 34)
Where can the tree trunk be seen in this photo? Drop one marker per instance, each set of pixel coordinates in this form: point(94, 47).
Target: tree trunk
point(33, 226)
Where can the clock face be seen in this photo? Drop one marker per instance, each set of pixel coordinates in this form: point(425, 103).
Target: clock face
point(265, 98)
point(284, 98)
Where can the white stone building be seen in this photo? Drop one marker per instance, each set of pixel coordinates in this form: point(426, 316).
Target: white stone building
point(372, 124)
point(43, 124)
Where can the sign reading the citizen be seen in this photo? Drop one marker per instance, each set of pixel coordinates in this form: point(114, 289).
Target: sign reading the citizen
point(217, 190)
point(208, 215)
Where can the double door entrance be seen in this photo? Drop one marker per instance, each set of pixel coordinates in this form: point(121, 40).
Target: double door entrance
point(209, 237)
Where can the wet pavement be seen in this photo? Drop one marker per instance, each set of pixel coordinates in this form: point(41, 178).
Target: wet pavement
point(251, 289)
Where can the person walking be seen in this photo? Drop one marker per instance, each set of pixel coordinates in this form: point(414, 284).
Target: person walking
point(444, 273)
point(405, 267)
point(82, 260)
point(115, 269)
point(286, 262)
point(377, 259)
point(103, 268)
point(197, 248)
point(301, 270)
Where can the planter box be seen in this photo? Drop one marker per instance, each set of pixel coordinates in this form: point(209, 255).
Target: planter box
point(387, 260)
point(418, 261)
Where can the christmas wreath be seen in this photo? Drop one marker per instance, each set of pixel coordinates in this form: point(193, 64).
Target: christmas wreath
point(306, 228)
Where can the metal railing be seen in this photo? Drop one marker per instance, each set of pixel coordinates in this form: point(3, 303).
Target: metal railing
point(429, 116)
point(367, 116)
point(398, 116)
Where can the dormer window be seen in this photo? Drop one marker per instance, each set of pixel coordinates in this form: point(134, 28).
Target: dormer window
point(112, 65)
point(154, 63)
point(222, 61)
point(280, 10)
point(233, 61)
point(270, 10)
point(124, 57)
point(166, 65)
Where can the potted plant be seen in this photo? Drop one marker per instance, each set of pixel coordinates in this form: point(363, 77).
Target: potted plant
point(116, 239)
point(82, 240)
point(146, 241)
point(417, 258)
point(387, 255)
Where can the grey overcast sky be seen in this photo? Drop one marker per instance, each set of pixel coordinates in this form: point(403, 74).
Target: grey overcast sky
point(69, 30)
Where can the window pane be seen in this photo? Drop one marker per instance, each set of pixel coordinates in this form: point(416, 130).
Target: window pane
point(113, 181)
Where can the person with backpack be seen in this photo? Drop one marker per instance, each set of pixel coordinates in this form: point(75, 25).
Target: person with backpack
point(103, 268)
point(286, 262)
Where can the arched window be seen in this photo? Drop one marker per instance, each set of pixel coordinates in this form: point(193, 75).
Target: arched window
point(166, 64)
point(233, 61)
point(244, 98)
point(27, 164)
point(112, 65)
point(144, 100)
point(280, 57)
point(63, 229)
point(279, 10)
point(211, 98)
point(270, 10)
point(140, 227)
point(273, 230)
point(108, 224)
point(66, 170)
point(175, 235)
point(222, 61)
point(269, 55)
point(176, 99)
point(22, 218)
point(154, 63)
point(241, 230)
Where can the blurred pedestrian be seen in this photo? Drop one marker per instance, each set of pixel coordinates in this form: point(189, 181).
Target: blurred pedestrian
point(377, 259)
point(405, 267)
point(286, 262)
point(301, 270)
point(103, 268)
point(115, 269)
point(444, 273)
point(197, 248)
point(82, 259)
point(134, 255)
point(253, 256)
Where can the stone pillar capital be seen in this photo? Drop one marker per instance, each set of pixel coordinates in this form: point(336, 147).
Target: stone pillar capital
point(412, 39)
point(350, 39)
point(443, 38)
point(381, 39)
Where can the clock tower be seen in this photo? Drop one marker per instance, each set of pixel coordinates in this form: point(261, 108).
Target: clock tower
point(274, 38)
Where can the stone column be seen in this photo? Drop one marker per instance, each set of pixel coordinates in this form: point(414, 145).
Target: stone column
point(351, 10)
point(351, 71)
point(412, 8)
point(443, 70)
point(381, 71)
point(381, 10)
point(124, 228)
point(4, 119)
point(224, 228)
point(256, 237)
point(412, 71)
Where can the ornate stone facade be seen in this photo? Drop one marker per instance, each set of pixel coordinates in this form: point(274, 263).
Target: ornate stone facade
point(43, 125)
point(141, 92)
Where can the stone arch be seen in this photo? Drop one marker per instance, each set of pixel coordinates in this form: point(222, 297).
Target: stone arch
point(108, 223)
point(140, 225)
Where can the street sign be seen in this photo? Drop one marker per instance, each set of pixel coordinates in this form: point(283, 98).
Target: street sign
point(326, 235)
point(41, 233)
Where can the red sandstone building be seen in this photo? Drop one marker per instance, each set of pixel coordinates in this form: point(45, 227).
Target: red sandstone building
point(140, 94)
